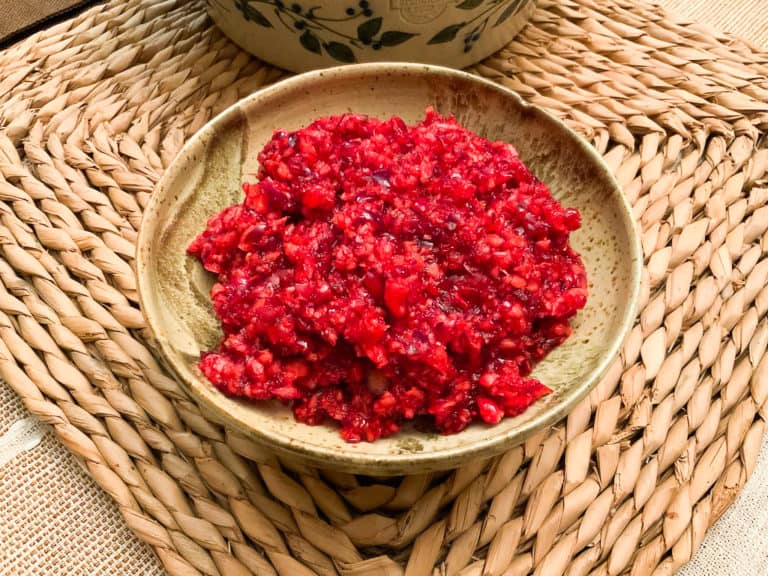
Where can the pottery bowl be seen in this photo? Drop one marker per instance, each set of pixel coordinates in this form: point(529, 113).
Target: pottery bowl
point(300, 35)
point(206, 177)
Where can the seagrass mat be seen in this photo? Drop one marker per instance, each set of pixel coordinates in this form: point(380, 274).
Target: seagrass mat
point(94, 109)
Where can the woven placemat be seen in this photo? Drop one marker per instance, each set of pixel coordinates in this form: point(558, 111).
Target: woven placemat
point(94, 109)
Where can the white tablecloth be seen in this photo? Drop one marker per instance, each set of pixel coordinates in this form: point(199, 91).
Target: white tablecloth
point(738, 544)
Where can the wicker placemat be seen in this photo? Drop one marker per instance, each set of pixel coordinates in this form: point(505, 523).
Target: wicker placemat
point(95, 108)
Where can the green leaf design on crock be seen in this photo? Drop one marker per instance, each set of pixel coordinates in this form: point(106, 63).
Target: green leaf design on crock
point(340, 52)
point(484, 14)
point(310, 42)
point(469, 4)
point(513, 8)
point(319, 28)
point(394, 37)
point(446, 34)
point(252, 14)
point(368, 29)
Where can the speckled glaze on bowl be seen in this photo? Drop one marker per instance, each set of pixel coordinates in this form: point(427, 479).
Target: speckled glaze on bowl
point(207, 175)
point(301, 35)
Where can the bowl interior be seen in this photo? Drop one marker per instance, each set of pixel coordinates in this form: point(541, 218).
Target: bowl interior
point(207, 176)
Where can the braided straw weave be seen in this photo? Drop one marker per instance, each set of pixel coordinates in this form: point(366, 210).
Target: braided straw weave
point(94, 109)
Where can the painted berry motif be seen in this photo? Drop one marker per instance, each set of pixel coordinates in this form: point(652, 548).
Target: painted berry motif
point(493, 14)
point(319, 32)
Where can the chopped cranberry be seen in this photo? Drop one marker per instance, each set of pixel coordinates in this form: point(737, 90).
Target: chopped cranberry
point(379, 273)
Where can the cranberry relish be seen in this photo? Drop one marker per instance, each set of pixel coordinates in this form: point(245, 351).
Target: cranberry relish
point(379, 272)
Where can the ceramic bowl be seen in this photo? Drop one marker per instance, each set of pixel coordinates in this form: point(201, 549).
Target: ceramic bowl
point(206, 177)
point(301, 35)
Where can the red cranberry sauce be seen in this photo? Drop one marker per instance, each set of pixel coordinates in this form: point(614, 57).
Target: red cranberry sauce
point(379, 272)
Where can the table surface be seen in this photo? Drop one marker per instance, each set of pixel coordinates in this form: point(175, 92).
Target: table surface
point(67, 525)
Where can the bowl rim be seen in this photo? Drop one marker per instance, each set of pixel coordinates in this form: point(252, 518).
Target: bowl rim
point(402, 463)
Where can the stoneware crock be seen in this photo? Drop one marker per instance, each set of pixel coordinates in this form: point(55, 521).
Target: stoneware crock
point(301, 35)
point(207, 174)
